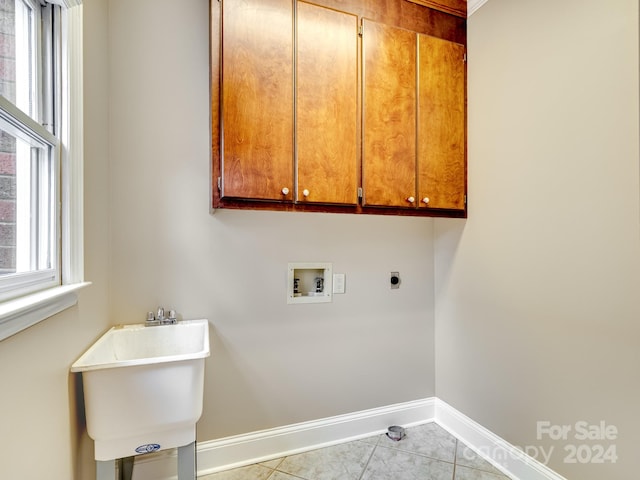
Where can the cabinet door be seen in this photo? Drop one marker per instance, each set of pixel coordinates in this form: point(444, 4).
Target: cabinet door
point(326, 121)
point(257, 99)
point(441, 124)
point(389, 120)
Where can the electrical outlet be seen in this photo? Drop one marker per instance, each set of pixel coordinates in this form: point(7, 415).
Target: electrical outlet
point(395, 280)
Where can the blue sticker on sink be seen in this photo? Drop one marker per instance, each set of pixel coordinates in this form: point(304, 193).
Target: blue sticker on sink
point(148, 448)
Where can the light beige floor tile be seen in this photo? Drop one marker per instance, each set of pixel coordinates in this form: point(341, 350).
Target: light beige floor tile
point(394, 464)
point(282, 476)
point(373, 440)
point(272, 463)
point(468, 458)
point(252, 472)
point(429, 439)
point(466, 473)
point(339, 462)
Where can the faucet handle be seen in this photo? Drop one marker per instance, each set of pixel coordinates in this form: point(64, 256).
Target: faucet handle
point(151, 320)
point(172, 316)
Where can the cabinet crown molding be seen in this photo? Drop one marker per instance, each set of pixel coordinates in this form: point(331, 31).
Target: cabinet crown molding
point(459, 8)
point(453, 7)
point(474, 5)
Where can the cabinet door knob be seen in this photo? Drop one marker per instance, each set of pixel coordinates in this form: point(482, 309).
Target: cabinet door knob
point(305, 192)
point(411, 199)
point(426, 200)
point(285, 191)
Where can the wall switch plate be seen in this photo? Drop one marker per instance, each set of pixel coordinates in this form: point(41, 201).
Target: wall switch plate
point(338, 282)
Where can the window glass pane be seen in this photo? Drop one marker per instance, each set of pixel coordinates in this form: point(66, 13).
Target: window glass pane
point(7, 203)
point(27, 216)
point(17, 54)
point(29, 166)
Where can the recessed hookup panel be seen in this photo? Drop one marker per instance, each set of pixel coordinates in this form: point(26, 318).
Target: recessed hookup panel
point(309, 282)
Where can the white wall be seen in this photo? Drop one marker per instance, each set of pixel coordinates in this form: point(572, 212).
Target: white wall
point(537, 310)
point(41, 430)
point(272, 364)
point(537, 292)
point(150, 239)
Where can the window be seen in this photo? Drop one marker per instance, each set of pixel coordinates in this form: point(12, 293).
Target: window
point(40, 159)
point(29, 217)
point(29, 169)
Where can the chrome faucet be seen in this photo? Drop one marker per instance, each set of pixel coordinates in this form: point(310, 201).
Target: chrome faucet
point(171, 319)
point(151, 320)
point(160, 319)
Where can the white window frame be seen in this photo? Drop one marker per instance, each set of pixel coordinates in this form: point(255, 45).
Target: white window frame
point(31, 134)
point(24, 311)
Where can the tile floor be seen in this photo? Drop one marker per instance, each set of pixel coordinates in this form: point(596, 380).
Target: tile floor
point(428, 452)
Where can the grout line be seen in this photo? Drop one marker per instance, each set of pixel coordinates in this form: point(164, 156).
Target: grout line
point(375, 447)
point(279, 463)
point(273, 472)
point(419, 454)
point(455, 459)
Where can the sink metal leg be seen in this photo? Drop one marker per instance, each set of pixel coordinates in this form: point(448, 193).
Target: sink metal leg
point(125, 468)
point(187, 462)
point(105, 469)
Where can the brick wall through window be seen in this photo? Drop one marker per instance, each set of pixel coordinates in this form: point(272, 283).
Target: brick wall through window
point(7, 142)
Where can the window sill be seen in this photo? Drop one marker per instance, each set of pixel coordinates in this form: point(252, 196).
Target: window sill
point(23, 312)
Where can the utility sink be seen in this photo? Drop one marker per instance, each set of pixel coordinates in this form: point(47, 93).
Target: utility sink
point(143, 387)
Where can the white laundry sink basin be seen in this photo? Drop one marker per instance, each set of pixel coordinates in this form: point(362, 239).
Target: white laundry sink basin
point(143, 387)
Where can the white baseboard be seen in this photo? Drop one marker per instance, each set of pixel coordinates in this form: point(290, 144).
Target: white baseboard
point(240, 450)
point(504, 456)
point(246, 449)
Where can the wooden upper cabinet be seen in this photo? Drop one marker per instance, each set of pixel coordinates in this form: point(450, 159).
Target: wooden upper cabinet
point(389, 116)
point(441, 124)
point(327, 116)
point(414, 150)
point(257, 99)
point(310, 112)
